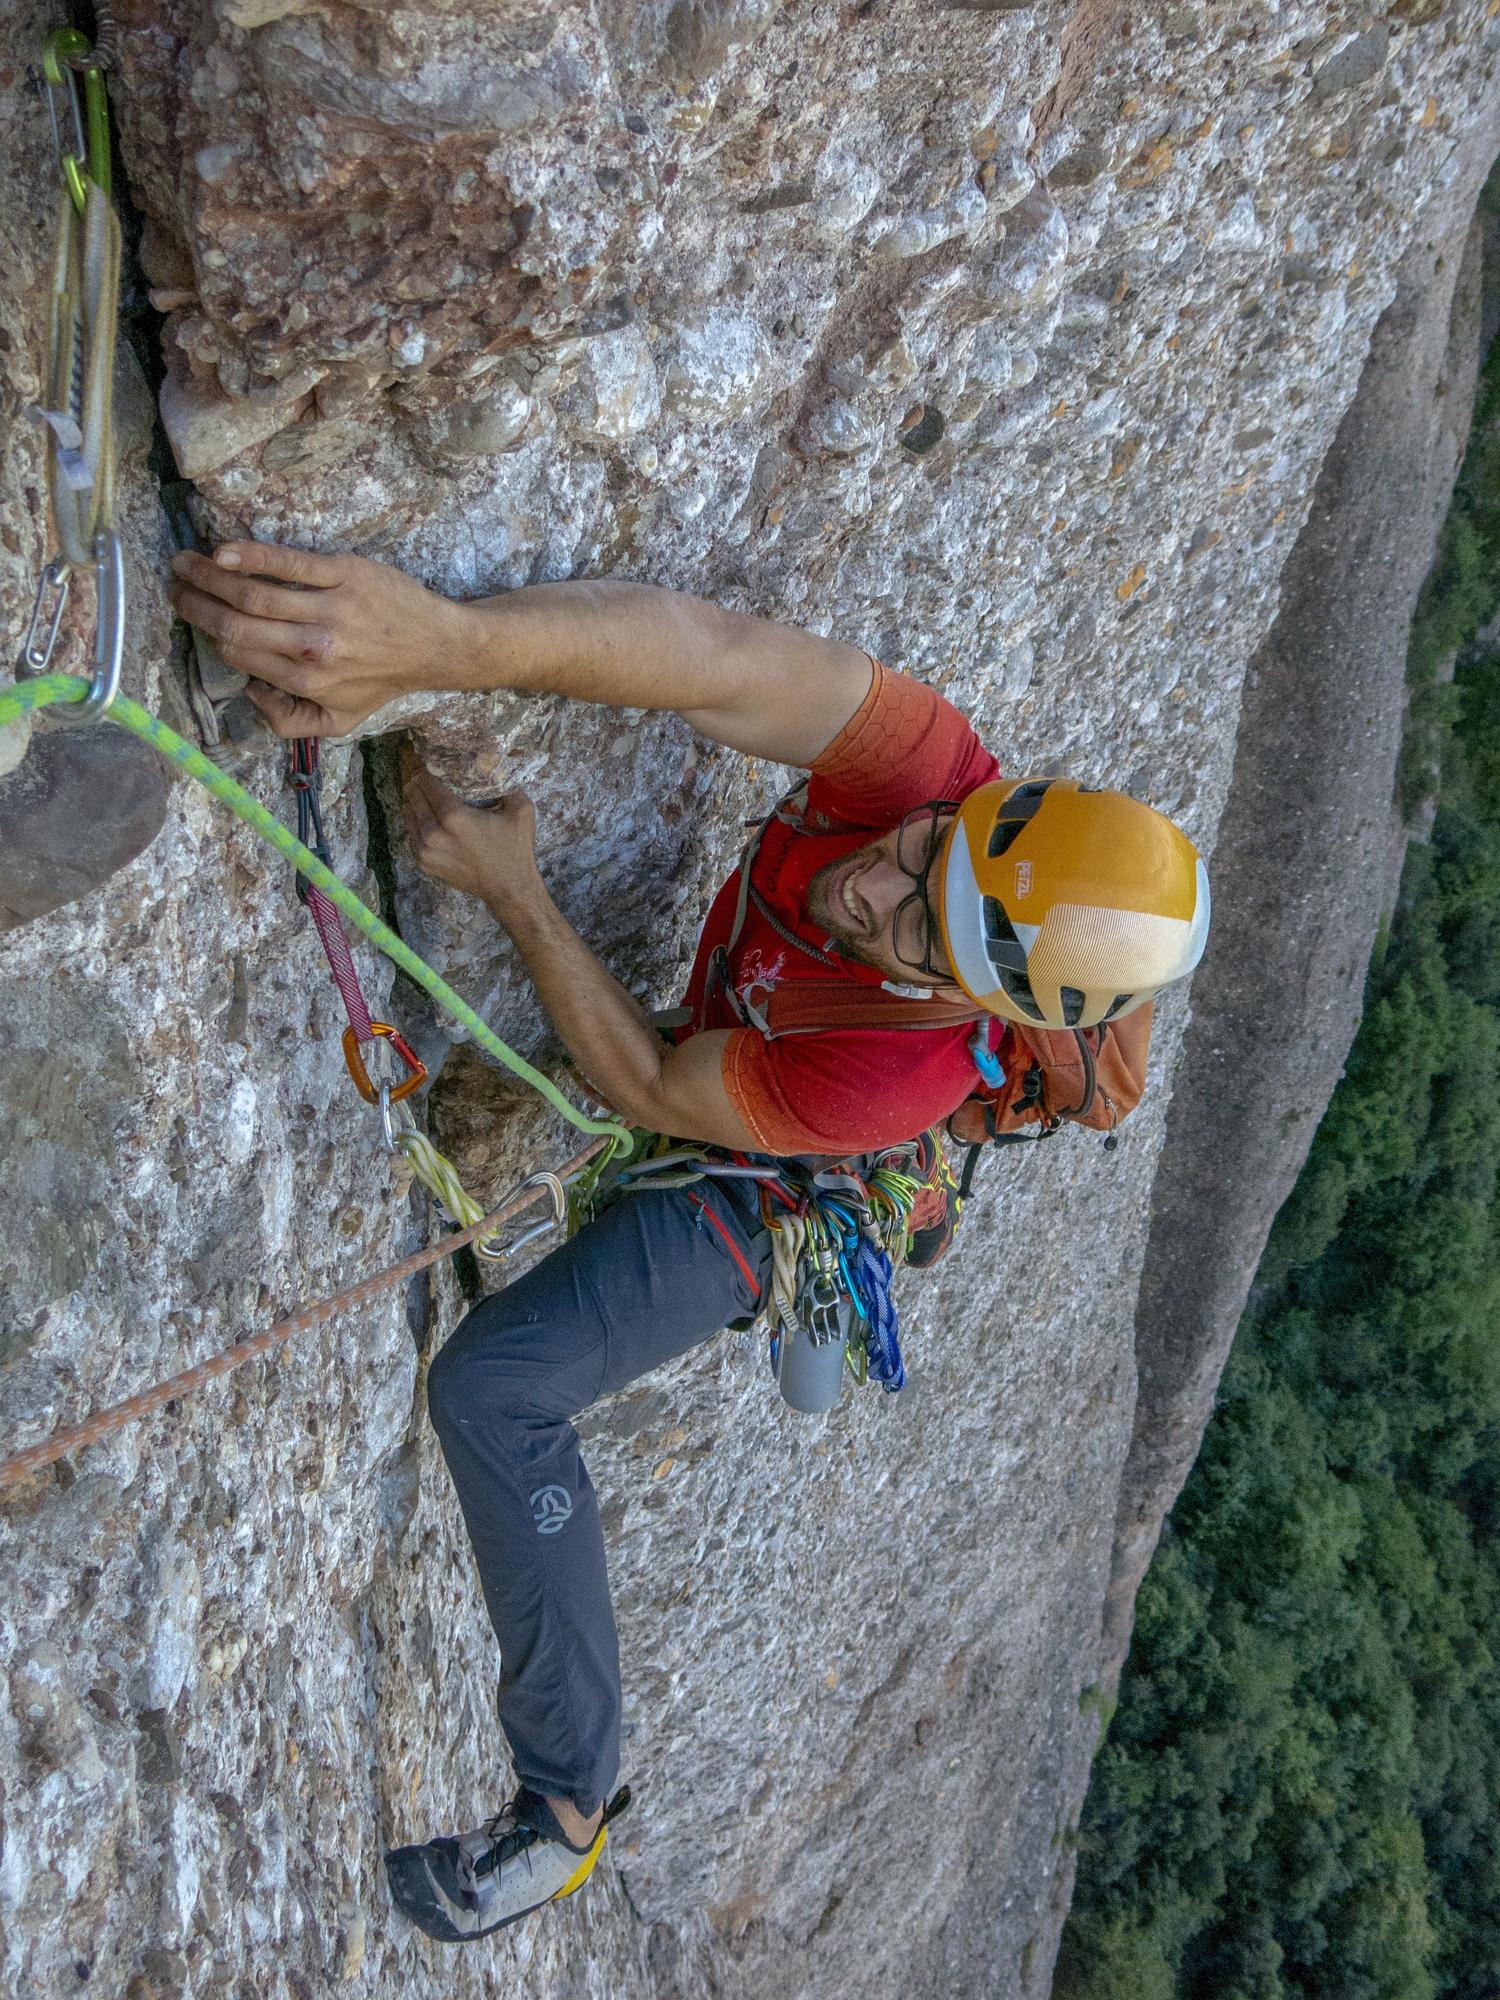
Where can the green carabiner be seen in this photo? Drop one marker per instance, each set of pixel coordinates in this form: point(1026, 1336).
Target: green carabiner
point(65, 52)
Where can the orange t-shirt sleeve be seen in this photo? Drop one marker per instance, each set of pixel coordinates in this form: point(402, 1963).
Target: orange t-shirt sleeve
point(759, 1105)
point(839, 1093)
point(903, 745)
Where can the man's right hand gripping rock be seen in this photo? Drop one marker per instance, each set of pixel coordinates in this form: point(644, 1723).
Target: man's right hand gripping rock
point(326, 640)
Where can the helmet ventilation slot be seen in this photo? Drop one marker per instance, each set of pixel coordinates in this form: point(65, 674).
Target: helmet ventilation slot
point(1020, 807)
point(1004, 833)
point(1004, 947)
point(1017, 988)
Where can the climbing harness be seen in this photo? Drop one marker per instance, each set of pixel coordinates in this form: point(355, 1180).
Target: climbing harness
point(80, 372)
point(105, 1423)
point(836, 1236)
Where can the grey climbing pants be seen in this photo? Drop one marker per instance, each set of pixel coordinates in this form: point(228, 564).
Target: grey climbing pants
point(650, 1278)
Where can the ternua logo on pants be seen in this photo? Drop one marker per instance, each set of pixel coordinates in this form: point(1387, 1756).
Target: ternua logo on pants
point(551, 1509)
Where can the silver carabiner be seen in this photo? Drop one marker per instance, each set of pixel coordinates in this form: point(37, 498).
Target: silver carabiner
point(555, 1220)
point(388, 1131)
point(37, 657)
point(492, 1249)
point(67, 89)
point(109, 626)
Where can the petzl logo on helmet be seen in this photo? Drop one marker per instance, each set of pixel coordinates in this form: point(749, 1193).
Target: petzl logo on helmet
point(551, 1509)
point(1023, 878)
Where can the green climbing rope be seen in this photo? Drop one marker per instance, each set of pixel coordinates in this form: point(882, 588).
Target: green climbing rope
point(26, 696)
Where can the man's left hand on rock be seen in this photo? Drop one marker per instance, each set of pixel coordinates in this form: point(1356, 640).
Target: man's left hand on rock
point(485, 851)
point(327, 640)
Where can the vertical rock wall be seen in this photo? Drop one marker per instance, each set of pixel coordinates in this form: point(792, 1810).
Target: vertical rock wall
point(1311, 846)
point(1007, 342)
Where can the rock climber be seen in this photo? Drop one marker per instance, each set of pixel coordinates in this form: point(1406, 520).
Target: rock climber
point(914, 867)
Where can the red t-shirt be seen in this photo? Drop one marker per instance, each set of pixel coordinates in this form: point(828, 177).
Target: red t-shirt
point(846, 1090)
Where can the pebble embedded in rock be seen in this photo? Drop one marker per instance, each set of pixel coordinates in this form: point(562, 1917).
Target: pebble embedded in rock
point(616, 393)
point(921, 429)
point(716, 366)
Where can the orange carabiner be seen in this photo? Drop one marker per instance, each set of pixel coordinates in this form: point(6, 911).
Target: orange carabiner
point(354, 1057)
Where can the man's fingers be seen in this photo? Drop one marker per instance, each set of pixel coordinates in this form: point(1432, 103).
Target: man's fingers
point(420, 823)
point(247, 593)
point(287, 565)
point(293, 653)
point(416, 780)
point(286, 715)
point(422, 820)
point(420, 782)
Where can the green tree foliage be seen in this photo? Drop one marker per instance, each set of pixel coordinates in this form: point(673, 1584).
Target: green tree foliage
point(1300, 1791)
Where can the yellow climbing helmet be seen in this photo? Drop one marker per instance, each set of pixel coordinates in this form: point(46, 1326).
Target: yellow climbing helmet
point(1062, 906)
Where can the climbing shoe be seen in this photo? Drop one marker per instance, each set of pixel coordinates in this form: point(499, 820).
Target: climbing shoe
point(466, 1885)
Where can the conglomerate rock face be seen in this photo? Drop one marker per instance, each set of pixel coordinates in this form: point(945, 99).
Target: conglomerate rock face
point(1004, 341)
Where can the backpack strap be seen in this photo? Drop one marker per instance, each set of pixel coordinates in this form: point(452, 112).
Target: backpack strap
point(806, 1006)
point(789, 810)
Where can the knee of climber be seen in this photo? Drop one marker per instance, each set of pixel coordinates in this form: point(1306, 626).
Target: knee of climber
point(473, 1374)
point(457, 1385)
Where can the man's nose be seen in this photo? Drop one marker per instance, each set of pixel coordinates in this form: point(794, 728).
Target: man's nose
point(884, 886)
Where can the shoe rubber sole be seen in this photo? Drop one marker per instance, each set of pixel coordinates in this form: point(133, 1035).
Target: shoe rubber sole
point(417, 1897)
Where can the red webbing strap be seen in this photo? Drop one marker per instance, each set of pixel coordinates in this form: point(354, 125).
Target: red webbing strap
point(329, 927)
point(306, 776)
point(808, 1006)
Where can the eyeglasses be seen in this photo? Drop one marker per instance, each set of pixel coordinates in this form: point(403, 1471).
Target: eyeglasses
point(915, 936)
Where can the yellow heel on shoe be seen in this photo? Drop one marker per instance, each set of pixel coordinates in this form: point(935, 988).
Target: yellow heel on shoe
point(585, 1868)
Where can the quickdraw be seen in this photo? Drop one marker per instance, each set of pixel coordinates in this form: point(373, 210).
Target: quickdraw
point(435, 1172)
point(85, 303)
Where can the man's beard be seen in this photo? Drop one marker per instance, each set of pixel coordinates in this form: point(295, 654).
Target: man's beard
point(821, 909)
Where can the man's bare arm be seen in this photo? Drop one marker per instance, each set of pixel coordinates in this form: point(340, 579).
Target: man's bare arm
point(329, 639)
point(768, 689)
point(490, 853)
